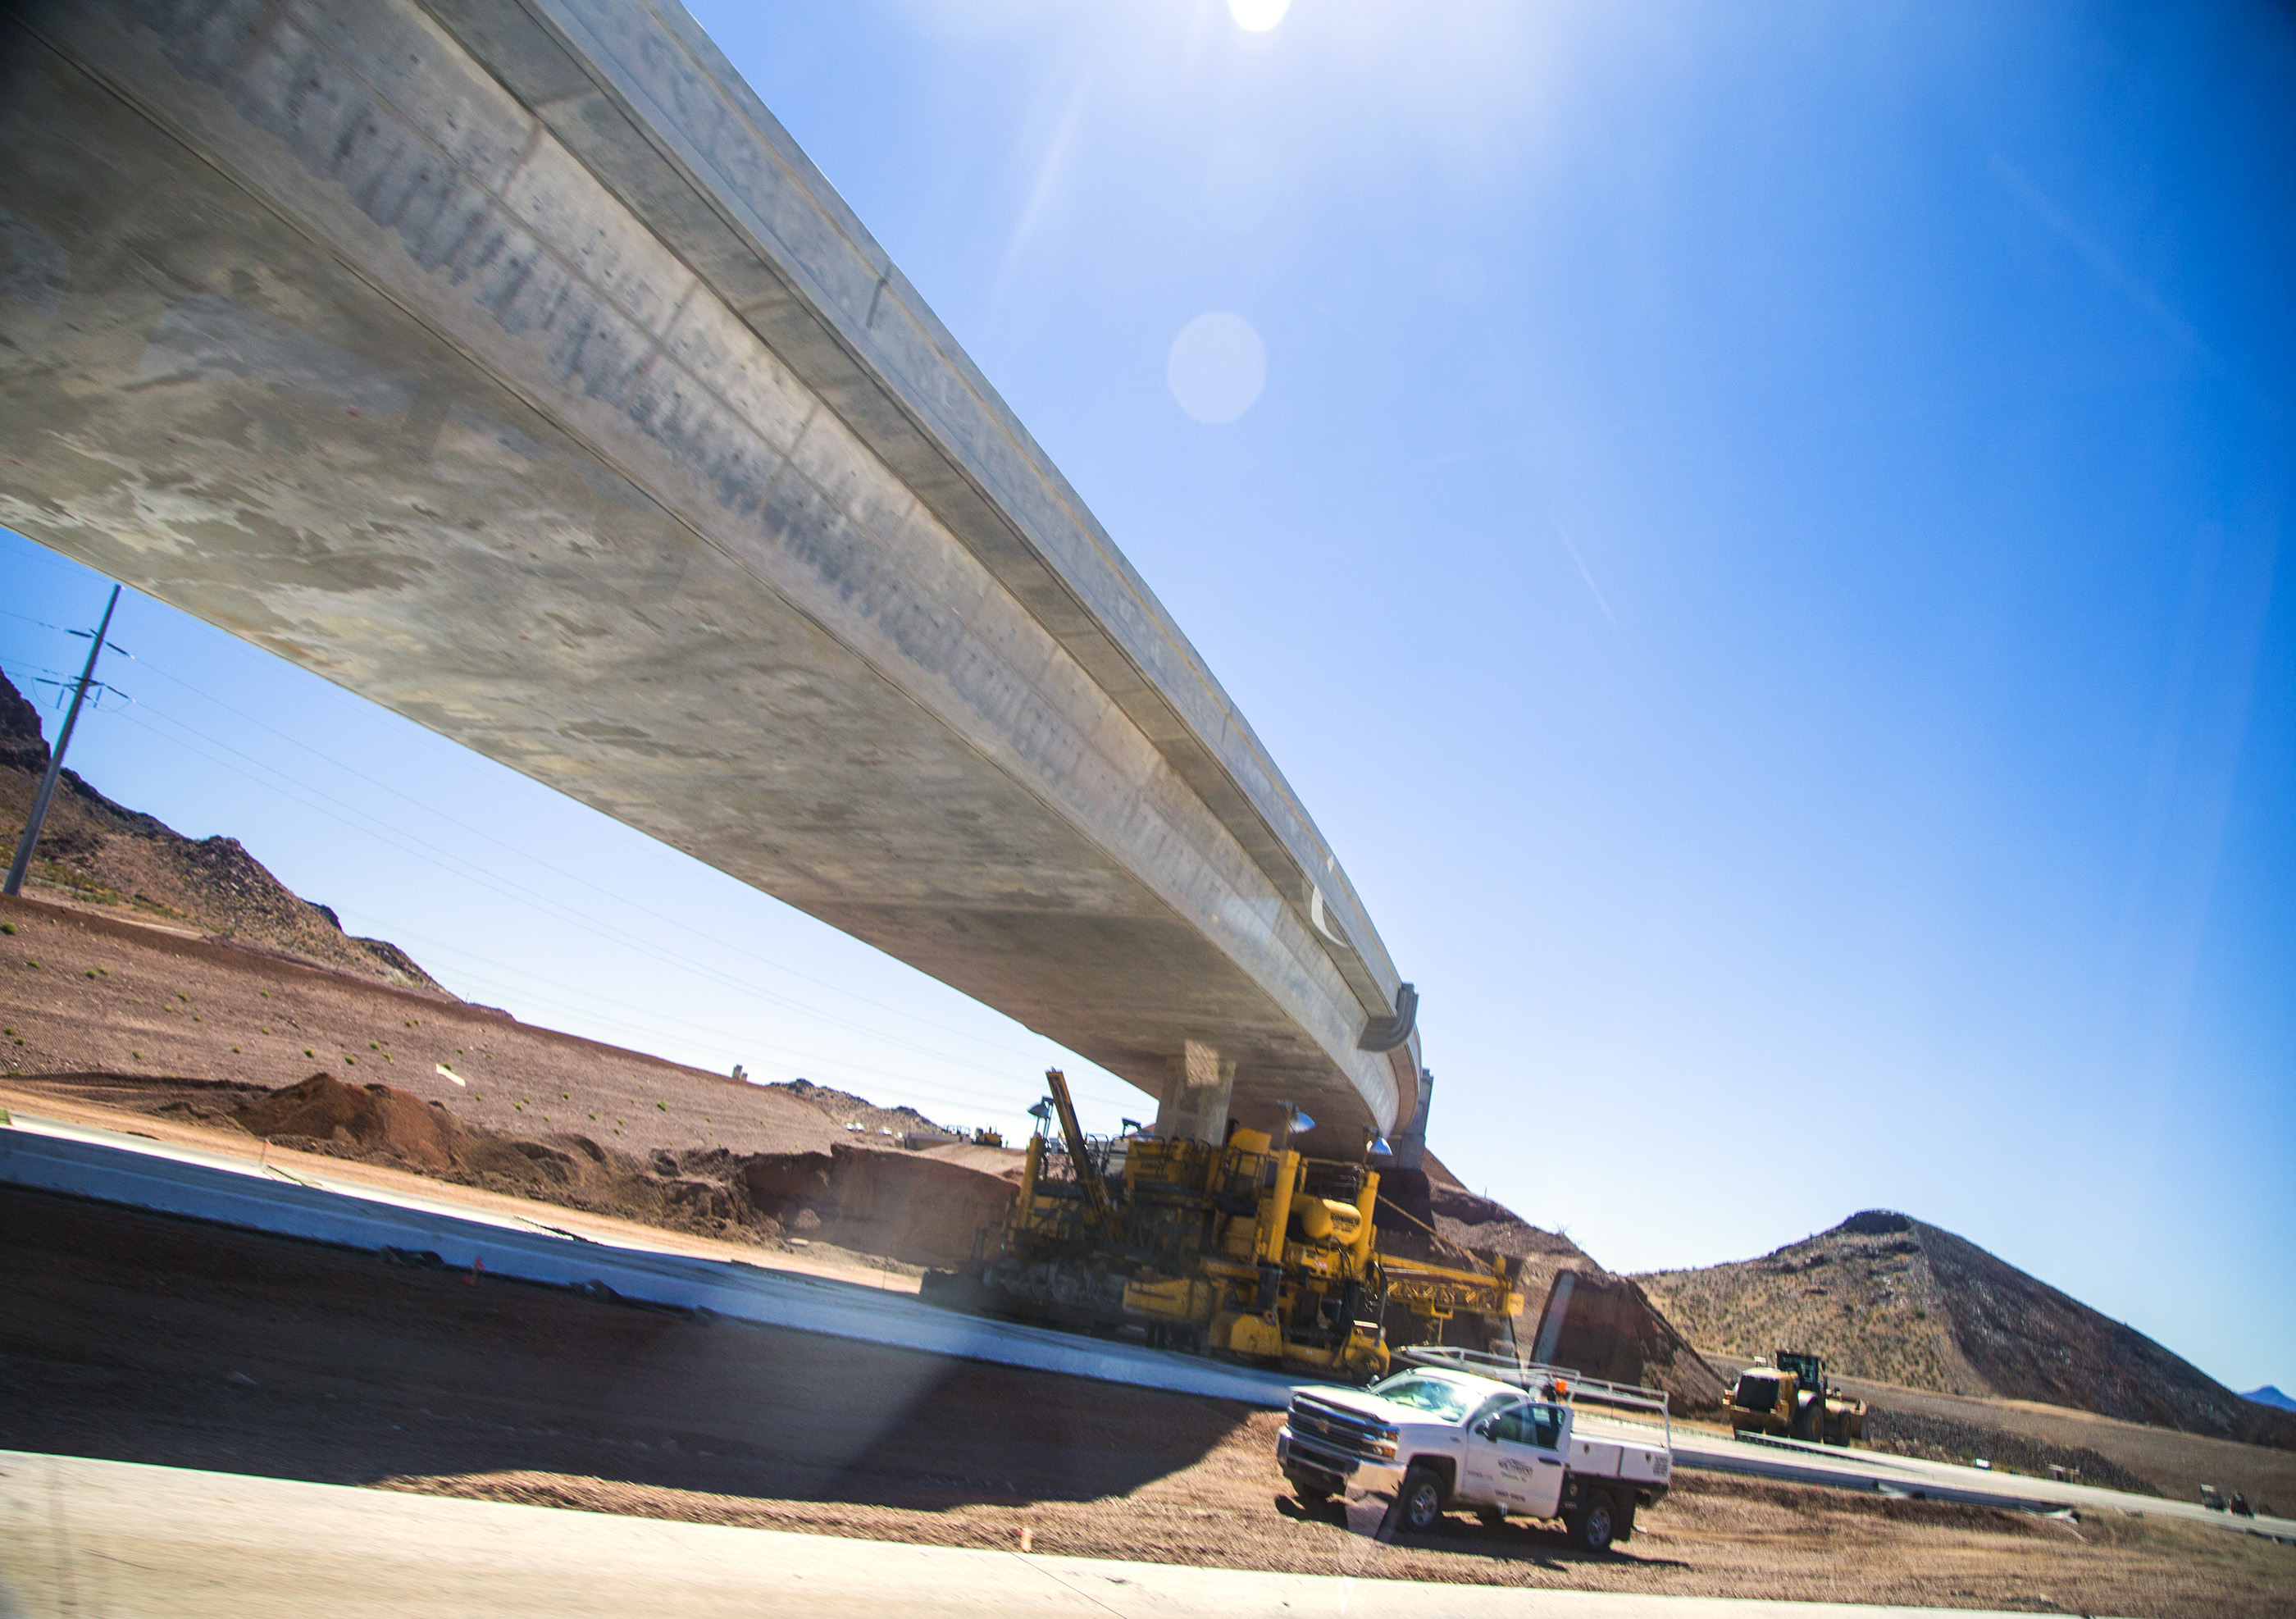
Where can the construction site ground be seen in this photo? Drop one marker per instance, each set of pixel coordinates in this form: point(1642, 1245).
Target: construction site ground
point(106, 996)
point(2117, 1454)
point(1962, 1427)
point(59, 1101)
point(135, 1337)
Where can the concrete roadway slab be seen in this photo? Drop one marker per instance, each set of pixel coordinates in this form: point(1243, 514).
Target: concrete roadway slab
point(82, 1161)
point(90, 1538)
point(1792, 1462)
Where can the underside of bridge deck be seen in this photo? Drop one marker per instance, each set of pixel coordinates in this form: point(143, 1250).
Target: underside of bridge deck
point(504, 361)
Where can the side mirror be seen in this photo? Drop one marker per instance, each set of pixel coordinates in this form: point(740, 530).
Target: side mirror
point(1486, 1427)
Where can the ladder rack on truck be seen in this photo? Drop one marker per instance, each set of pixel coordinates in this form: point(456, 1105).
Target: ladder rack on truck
point(1554, 1382)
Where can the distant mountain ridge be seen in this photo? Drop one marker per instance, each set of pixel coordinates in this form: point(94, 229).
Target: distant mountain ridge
point(847, 1108)
point(95, 853)
point(1885, 1296)
point(2271, 1396)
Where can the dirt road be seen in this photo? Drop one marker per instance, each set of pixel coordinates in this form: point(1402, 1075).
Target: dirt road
point(138, 1338)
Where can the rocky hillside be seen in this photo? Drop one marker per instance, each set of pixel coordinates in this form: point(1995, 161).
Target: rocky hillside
point(1888, 1297)
point(847, 1108)
point(98, 854)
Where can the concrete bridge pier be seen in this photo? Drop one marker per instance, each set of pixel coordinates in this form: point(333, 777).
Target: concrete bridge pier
point(1194, 1107)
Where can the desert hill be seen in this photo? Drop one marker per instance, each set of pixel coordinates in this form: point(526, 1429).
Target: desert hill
point(100, 855)
point(847, 1108)
point(1888, 1297)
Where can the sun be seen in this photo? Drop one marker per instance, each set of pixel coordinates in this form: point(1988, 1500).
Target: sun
point(1258, 16)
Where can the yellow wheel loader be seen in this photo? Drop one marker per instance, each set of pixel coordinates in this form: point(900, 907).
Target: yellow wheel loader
point(1790, 1399)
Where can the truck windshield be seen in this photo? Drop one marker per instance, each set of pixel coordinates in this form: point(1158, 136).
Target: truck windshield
point(1422, 1393)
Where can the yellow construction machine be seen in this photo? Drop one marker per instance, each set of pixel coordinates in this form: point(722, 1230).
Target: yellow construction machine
point(1245, 1249)
point(1791, 1399)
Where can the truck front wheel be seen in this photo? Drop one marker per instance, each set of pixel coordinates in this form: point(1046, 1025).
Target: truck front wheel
point(1592, 1525)
point(1422, 1499)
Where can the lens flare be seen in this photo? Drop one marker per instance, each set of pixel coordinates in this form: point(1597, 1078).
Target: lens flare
point(1217, 367)
point(1258, 16)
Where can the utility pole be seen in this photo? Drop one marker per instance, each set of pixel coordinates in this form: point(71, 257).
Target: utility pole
point(56, 759)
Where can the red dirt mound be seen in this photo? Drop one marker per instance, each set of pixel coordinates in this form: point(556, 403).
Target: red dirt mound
point(917, 1210)
point(373, 1118)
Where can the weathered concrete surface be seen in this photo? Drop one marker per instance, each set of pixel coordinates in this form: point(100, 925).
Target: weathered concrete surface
point(80, 1536)
point(504, 361)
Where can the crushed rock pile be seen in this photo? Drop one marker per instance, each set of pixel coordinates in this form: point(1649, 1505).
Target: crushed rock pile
point(1888, 1297)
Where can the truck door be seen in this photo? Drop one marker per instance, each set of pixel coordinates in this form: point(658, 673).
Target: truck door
point(1545, 1435)
point(1507, 1466)
point(1482, 1479)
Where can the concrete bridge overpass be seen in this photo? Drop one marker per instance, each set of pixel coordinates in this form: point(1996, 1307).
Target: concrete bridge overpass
point(504, 362)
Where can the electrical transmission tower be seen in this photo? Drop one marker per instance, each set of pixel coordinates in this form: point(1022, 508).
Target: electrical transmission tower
point(31, 838)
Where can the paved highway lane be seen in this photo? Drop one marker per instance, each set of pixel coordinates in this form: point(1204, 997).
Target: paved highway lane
point(1789, 1461)
point(114, 1539)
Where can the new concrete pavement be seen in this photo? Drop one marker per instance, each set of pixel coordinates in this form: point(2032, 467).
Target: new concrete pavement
point(115, 1540)
point(1910, 1477)
point(79, 1160)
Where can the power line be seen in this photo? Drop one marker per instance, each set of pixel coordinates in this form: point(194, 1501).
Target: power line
point(458, 866)
point(742, 1045)
point(454, 866)
point(35, 553)
point(747, 1044)
point(40, 802)
point(555, 870)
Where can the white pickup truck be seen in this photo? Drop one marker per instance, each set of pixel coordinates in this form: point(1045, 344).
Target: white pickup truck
point(1455, 1430)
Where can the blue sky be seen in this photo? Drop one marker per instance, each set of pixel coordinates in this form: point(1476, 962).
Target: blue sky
point(1758, 537)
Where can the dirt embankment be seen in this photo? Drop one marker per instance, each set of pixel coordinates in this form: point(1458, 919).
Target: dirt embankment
point(918, 1209)
point(1605, 1327)
point(899, 1205)
point(1601, 1325)
point(1891, 1298)
point(149, 1340)
point(88, 995)
point(95, 853)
